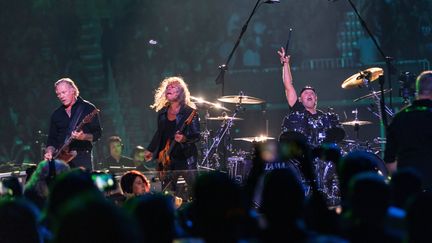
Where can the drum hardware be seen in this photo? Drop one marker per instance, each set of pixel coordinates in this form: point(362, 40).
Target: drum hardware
point(238, 168)
point(327, 181)
point(380, 140)
point(258, 139)
point(206, 133)
point(226, 125)
point(372, 95)
point(241, 99)
point(223, 118)
point(364, 78)
point(356, 123)
point(361, 78)
point(200, 102)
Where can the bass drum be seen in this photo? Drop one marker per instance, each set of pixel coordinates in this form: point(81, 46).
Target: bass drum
point(327, 181)
point(380, 166)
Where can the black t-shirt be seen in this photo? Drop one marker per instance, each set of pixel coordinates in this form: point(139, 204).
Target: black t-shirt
point(59, 126)
point(169, 132)
point(299, 107)
point(409, 139)
point(123, 162)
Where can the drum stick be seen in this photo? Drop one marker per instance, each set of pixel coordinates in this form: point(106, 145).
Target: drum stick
point(288, 41)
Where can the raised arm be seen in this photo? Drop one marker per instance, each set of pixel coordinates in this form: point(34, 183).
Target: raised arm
point(290, 91)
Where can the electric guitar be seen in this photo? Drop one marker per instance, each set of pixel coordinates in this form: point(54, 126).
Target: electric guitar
point(164, 155)
point(63, 152)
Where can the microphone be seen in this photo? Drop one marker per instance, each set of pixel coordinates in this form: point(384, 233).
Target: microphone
point(272, 1)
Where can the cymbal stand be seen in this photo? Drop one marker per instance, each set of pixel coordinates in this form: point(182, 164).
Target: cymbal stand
point(356, 126)
point(221, 133)
point(205, 134)
point(376, 99)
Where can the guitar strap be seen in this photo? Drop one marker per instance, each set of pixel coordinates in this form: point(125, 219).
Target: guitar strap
point(74, 120)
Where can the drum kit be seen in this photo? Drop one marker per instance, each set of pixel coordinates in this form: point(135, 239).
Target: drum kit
point(326, 128)
point(217, 157)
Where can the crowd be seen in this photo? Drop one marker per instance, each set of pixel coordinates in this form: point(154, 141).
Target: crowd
point(59, 204)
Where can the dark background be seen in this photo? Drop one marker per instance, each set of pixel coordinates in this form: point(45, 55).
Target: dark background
point(118, 51)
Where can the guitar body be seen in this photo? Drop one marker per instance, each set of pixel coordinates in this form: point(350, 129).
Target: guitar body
point(64, 152)
point(164, 155)
point(66, 155)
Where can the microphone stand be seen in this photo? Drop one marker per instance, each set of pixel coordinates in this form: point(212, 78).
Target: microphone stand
point(224, 67)
point(389, 67)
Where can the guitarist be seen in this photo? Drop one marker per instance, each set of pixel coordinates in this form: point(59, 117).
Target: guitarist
point(174, 107)
point(64, 121)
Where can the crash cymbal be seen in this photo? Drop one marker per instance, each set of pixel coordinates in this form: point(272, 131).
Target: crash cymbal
point(371, 95)
point(356, 80)
point(356, 122)
point(200, 102)
point(254, 139)
point(241, 99)
point(223, 118)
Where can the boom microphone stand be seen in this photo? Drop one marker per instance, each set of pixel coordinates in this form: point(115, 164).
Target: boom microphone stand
point(224, 67)
point(389, 67)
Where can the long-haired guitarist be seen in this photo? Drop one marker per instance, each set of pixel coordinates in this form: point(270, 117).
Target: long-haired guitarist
point(173, 144)
point(66, 142)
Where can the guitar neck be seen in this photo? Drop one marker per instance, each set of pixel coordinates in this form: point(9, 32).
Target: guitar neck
point(182, 129)
point(86, 119)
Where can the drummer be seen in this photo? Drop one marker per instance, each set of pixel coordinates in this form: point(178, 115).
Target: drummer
point(305, 105)
point(314, 124)
point(308, 98)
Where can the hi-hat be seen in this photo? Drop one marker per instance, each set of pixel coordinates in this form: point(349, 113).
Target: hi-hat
point(371, 95)
point(207, 104)
point(254, 139)
point(223, 118)
point(241, 99)
point(356, 122)
point(356, 80)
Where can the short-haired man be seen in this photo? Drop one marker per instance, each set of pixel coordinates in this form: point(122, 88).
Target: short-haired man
point(409, 135)
point(64, 122)
point(116, 159)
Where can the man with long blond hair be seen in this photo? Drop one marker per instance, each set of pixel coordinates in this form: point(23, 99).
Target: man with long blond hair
point(172, 102)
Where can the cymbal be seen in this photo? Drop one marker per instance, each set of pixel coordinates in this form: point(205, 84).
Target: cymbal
point(356, 122)
point(207, 104)
point(254, 139)
point(348, 141)
point(371, 95)
point(356, 80)
point(223, 118)
point(241, 99)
